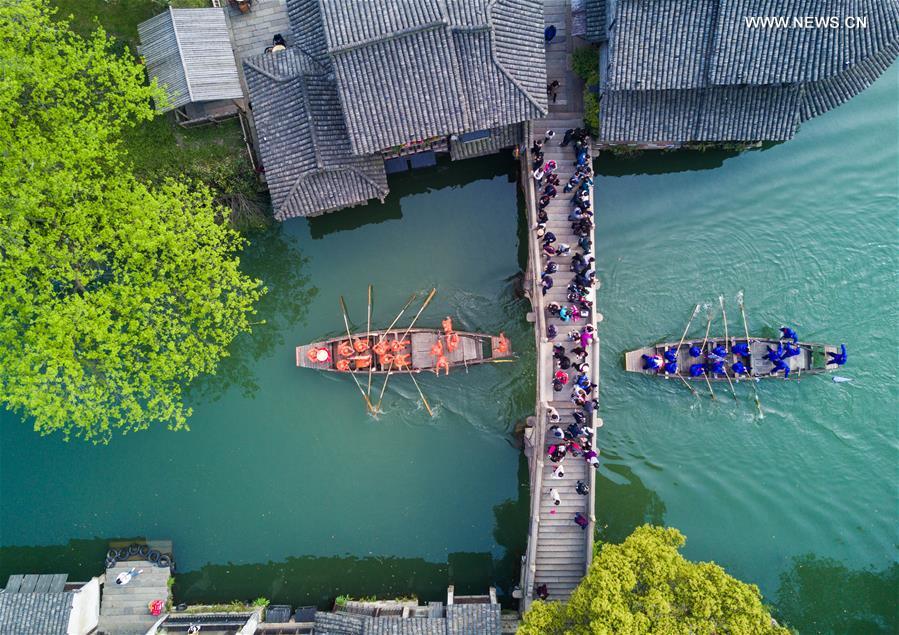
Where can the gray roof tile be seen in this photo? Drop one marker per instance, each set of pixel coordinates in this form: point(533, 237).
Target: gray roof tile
point(303, 140)
point(429, 68)
point(473, 619)
point(692, 70)
point(35, 613)
point(189, 52)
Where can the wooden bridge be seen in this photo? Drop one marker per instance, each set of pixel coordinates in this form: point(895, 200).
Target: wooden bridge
point(559, 551)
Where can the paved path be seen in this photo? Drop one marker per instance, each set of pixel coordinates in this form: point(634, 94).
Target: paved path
point(559, 551)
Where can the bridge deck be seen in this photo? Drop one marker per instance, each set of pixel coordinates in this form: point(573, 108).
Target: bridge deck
point(559, 551)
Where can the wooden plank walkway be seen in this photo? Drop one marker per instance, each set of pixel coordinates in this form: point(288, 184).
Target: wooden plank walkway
point(559, 551)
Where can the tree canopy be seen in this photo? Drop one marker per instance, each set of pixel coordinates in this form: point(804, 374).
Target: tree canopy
point(644, 585)
point(113, 293)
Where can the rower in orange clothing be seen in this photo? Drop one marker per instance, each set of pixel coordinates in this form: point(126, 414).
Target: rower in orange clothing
point(386, 359)
point(361, 345)
point(437, 349)
point(344, 349)
point(362, 361)
point(452, 341)
point(502, 346)
point(402, 360)
point(381, 347)
point(447, 325)
point(397, 345)
point(343, 365)
point(441, 363)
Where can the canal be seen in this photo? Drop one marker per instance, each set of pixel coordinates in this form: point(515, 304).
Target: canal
point(283, 487)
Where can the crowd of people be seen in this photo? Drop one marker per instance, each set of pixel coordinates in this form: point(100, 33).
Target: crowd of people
point(714, 362)
point(571, 370)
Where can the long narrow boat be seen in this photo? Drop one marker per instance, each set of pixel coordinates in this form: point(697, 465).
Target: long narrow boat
point(473, 348)
point(811, 359)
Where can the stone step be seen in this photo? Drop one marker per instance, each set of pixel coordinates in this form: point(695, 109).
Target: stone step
point(126, 625)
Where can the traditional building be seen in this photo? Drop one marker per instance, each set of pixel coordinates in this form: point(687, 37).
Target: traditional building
point(675, 71)
point(375, 81)
point(188, 51)
point(49, 604)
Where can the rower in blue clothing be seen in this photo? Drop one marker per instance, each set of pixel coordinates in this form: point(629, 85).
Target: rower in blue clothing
point(779, 364)
point(697, 370)
point(741, 348)
point(838, 358)
point(651, 362)
point(671, 355)
point(739, 368)
point(788, 334)
point(791, 351)
point(720, 351)
point(695, 351)
point(718, 368)
point(671, 367)
point(774, 355)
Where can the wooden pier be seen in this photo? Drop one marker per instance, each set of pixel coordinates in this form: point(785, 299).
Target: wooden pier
point(559, 551)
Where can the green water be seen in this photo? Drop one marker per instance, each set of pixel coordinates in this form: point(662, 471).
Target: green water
point(804, 501)
point(285, 488)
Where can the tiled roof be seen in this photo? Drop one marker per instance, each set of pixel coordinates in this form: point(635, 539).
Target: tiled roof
point(461, 619)
point(692, 70)
point(189, 52)
point(499, 138)
point(35, 613)
point(307, 27)
point(466, 619)
point(596, 21)
point(405, 626)
point(821, 96)
point(412, 70)
point(303, 139)
point(661, 44)
point(708, 114)
point(777, 55)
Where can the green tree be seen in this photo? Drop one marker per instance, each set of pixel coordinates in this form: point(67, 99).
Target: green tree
point(113, 294)
point(644, 585)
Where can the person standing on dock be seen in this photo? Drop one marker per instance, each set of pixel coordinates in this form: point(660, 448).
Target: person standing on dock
point(553, 414)
point(581, 520)
point(547, 137)
point(554, 493)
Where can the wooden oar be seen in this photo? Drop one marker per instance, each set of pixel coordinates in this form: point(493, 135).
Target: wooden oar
point(398, 316)
point(758, 403)
point(421, 394)
point(726, 344)
point(368, 330)
point(687, 384)
point(405, 333)
point(708, 327)
point(346, 323)
point(689, 322)
point(677, 350)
